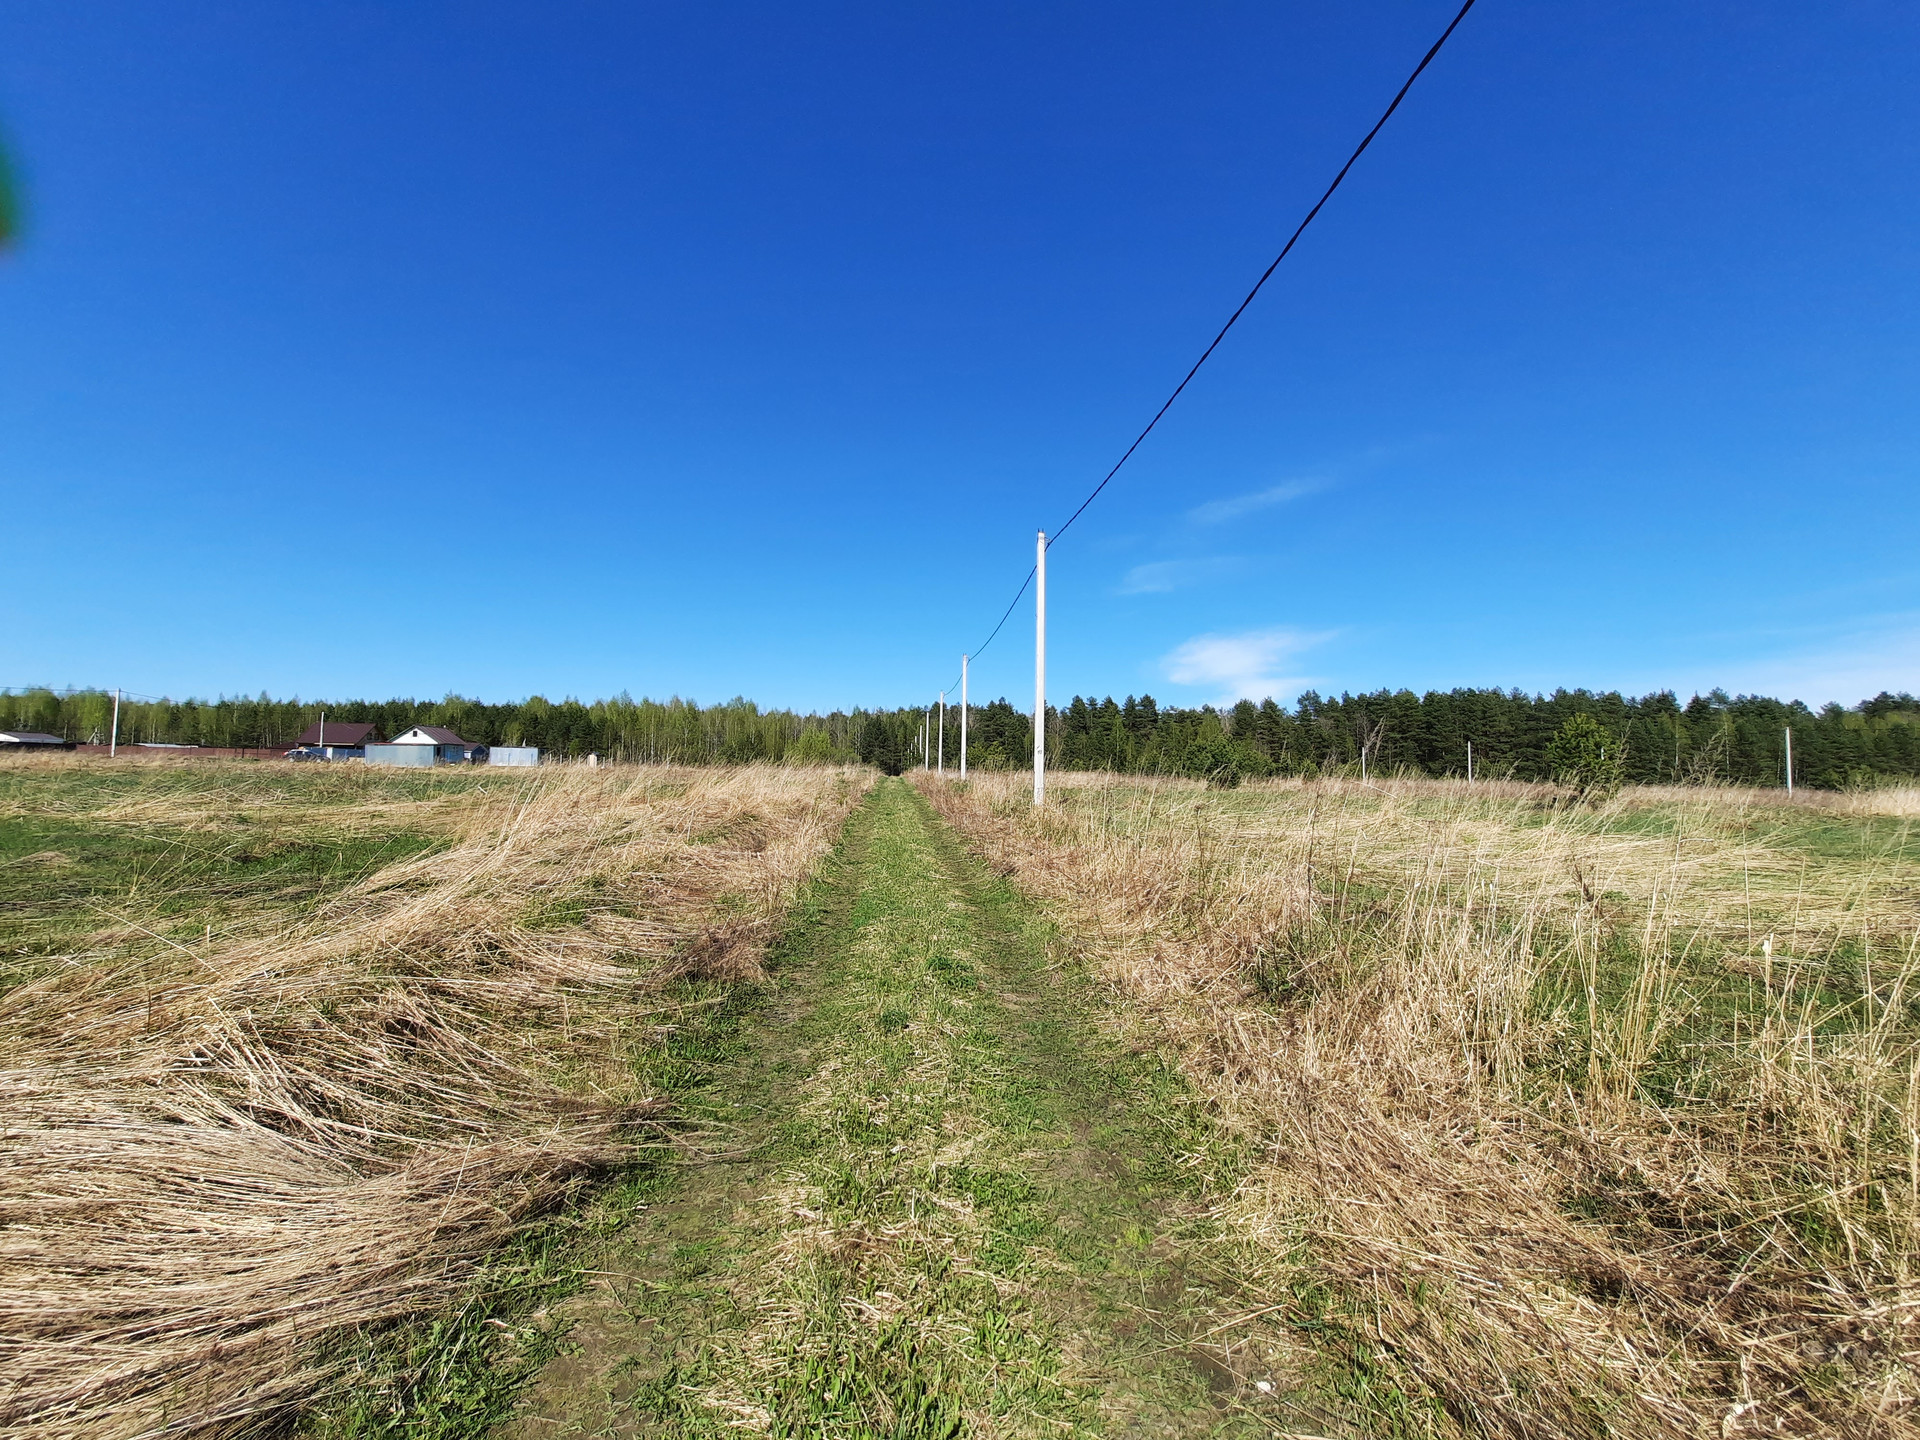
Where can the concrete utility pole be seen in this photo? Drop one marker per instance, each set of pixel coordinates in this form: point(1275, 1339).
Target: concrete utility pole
point(926, 752)
point(963, 717)
point(113, 743)
point(1469, 762)
point(942, 768)
point(1789, 761)
point(1040, 672)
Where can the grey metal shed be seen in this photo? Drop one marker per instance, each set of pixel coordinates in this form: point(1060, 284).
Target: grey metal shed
point(418, 755)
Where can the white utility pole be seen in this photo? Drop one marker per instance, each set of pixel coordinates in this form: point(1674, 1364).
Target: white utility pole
point(942, 768)
point(963, 717)
point(1040, 672)
point(926, 754)
point(323, 734)
point(113, 744)
point(1469, 762)
point(1789, 761)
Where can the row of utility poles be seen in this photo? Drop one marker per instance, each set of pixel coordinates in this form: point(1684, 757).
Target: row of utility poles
point(1040, 701)
point(931, 724)
point(935, 758)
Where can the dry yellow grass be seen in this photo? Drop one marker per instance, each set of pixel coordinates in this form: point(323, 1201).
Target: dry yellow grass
point(211, 1160)
point(1579, 1121)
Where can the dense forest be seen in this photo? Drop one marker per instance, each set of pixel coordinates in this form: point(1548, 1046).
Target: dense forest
point(1656, 738)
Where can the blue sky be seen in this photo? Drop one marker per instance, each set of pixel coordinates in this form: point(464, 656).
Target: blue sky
point(363, 350)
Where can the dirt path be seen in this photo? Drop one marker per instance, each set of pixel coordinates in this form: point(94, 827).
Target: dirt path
point(930, 1198)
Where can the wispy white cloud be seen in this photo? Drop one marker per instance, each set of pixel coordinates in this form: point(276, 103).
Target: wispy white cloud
point(1218, 512)
point(1247, 666)
point(1160, 576)
point(1847, 665)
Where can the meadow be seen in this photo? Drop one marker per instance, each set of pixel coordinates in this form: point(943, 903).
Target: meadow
point(347, 1102)
point(1571, 1118)
point(291, 1055)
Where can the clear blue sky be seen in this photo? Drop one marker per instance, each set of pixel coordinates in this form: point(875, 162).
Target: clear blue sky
point(362, 350)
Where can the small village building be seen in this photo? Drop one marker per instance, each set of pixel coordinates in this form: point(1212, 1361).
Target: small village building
point(513, 755)
point(32, 740)
point(338, 739)
point(424, 745)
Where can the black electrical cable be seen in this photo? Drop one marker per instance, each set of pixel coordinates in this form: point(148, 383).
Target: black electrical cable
point(1267, 274)
point(1005, 616)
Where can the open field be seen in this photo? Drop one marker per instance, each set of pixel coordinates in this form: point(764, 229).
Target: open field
point(1571, 1120)
point(1307, 1108)
point(290, 1053)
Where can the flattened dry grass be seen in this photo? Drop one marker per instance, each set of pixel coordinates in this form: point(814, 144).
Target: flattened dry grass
point(1576, 1120)
point(99, 858)
point(215, 1154)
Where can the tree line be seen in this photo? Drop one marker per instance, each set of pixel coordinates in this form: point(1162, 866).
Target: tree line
point(1652, 739)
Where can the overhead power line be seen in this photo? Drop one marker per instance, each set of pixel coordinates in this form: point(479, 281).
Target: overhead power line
point(975, 654)
point(1265, 275)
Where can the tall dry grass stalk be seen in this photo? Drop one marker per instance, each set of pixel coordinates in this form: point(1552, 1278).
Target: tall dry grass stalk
point(1590, 1120)
point(213, 1160)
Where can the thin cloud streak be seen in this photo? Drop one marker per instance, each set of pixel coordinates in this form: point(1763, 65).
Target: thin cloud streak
point(1851, 666)
point(1218, 512)
point(1159, 577)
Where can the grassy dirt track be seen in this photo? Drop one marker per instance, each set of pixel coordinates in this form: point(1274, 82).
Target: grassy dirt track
point(926, 1196)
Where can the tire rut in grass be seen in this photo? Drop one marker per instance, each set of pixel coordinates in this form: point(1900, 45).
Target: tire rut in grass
point(928, 1197)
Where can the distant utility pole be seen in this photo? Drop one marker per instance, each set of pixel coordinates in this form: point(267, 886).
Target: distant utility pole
point(963, 717)
point(1469, 762)
point(113, 744)
point(942, 768)
point(1040, 673)
point(1789, 761)
point(926, 754)
point(323, 734)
